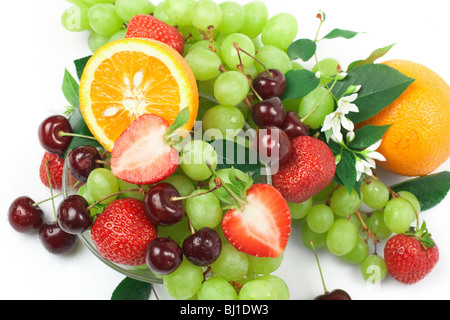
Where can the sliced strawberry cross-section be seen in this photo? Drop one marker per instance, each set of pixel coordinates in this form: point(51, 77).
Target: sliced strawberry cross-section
point(141, 155)
point(262, 226)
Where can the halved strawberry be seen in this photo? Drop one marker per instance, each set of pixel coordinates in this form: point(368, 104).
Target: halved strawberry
point(262, 226)
point(141, 155)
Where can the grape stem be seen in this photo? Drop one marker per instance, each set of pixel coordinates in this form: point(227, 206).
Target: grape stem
point(366, 229)
point(211, 39)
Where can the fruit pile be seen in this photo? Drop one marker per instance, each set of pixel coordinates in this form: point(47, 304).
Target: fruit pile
point(167, 91)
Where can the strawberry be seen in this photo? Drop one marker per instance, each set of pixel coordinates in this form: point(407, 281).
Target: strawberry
point(310, 169)
point(122, 232)
point(56, 167)
point(262, 226)
point(147, 26)
point(142, 154)
point(410, 257)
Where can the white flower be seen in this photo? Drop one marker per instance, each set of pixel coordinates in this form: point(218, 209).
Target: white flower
point(334, 121)
point(366, 166)
point(372, 154)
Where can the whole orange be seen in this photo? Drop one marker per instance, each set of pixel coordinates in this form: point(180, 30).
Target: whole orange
point(418, 141)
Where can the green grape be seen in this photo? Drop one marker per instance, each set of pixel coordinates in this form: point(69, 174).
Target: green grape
point(178, 232)
point(315, 106)
point(231, 88)
point(344, 203)
point(373, 269)
point(231, 263)
point(75, 18)
point(92, 2)
point(300, 210)
point(96, 41)
point(124, 186)
point(204, 44)
point(223, 120)
point(398, 215)
point(216, 288)
point(204, 64)
point(160, 13)
point(325, 194)
point(86, 194)
point(251, 71)
point(319, 239)
point(102, 183)
point(223, 175)
point(280, 31)
point(376, 225)
point(195, 156)
point(358, 253)
point(412, 199)
point(273, 58)
point(375, 194)
point(77, 1)
point(320, 218)
point(203, 106)
point(204, 211)
point(297, 66)
point(184, 282)
point(258, 290)
point(206, 14)
point(207, 88)
point(341, 238)
point(127, 9)
point(244, 109)
point(279, 285)
point(256, 15)
point(259, 265)
point(179, 11)
point(233, 17)
point(328, 69)
point(104, 20)
point(118, 35)
point(230, 54)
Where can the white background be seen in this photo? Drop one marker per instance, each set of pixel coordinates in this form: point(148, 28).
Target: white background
point(35, 49)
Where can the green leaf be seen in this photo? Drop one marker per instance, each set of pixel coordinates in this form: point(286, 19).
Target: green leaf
point(299, 83)
point(339, 33)
point(376, 54)
point(80, 127)
point(430, 190)
point(367, 136)
point(130, 289)
point(302, 49)
point(70, 89)
point(346, 170)
point(232, 154)
point(380, 86)
point(181, 119)
point(80, 64)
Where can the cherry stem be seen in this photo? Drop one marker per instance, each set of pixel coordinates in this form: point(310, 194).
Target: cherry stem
point(318, 264)
point(67, 134)
point(236, 45)
point(218, 183)
point(51, 188)
point(48, 199)
point(142, 190)
point(239, 202)
point(241, 68)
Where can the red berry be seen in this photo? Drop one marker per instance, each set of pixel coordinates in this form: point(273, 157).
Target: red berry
point(311, 169)
point(408, 260)
point(24, 216)
point(147, 26)
point(55, 166)
point(122, 232)
point(49, 134)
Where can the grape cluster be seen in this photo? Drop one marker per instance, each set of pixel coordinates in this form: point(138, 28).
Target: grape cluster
point(344, 222)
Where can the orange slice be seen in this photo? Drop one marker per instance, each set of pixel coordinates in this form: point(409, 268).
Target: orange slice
point(131, 77)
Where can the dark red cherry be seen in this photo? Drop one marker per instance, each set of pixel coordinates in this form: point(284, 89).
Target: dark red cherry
point(273, 145)
point(269, 112)
point(159, 207)
point(24, 216)
point(73, 214)
point(337, 294)
point(203, 247)
point(293, 126)
point(56, 240)
point(82, 160)
point(269, 86)
point(163, 255)
point(50, 137)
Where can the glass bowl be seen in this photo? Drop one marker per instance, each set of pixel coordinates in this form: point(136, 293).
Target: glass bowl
point(141, 273)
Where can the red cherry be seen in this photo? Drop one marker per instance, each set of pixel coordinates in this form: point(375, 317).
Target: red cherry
point(24, 216)
point(50, 137)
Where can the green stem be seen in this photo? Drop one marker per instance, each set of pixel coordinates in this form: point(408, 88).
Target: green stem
point(48, 199)
point(115, 194)
point(323, 99)
point(318, 264)
point(51, 189)
point(218, 186)
point(66, 134)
